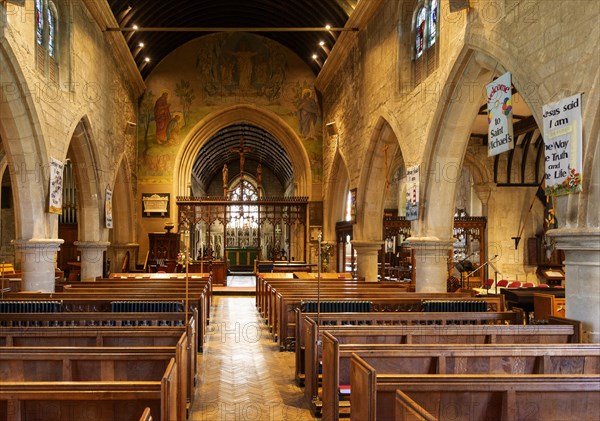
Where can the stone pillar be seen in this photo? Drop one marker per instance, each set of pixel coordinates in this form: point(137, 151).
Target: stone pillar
point(91, 258)
point(366, 258)
point(116, 253)
point(431, 261)
point(38, 263)
point(582, 276)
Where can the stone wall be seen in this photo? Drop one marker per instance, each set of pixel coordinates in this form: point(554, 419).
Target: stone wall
point(86, 109)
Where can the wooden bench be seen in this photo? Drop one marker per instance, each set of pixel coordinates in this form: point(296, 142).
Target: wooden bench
point(103, 400)
point(475, 334)
point(66, 364)
point(93, 302)
point(475, 397)
point(384, 301)
point(329, 320)
point(109, 337)
point(545, 305)
point(449, 359)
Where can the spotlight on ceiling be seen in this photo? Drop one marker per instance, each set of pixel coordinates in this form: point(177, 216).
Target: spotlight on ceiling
point(135, 27)
point(324, 47)
point(141, 45)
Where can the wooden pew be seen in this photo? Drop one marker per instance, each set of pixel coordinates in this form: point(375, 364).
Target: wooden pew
point(328, 320)
point(66, 364)
point(545, 305)
point(104, 400)
point(428, 334)
point(567, 397)
point(381, 301)
point(109, 337)
point(450, 359)
point(93, 301)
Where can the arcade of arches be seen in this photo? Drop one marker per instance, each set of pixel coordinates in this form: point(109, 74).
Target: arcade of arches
point(252, 150)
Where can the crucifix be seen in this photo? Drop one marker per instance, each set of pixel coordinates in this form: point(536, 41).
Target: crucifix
point(242, 150)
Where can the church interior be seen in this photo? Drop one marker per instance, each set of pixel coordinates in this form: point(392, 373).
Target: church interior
point(269, 210)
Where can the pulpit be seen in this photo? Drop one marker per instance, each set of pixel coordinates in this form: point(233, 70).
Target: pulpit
point(163, 248)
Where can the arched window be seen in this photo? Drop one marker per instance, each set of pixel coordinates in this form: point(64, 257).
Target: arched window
point(425, 26)
point(420, 32)
point(46, 37)
point(425, 32)
point(433, 22)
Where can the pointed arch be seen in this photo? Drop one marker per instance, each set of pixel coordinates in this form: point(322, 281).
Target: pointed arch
point(448, 138)
point(83, 153)
point(236, 114)
point(22, 135)
point(124, 210)
point(371, 187)
point(338, 185)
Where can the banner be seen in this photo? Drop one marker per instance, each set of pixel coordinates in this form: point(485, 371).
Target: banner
point(500, 124)
point(563, 146)
point(56, 185)
point(412, 193)
point(108, 208)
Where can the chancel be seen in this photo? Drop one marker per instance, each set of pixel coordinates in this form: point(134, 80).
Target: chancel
point(372, 210)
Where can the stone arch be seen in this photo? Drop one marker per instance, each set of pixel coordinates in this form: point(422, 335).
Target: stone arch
point(259, 117)
point(22, 135)
point(337, 188)
point(448, 139)
point(83, 153)
point(123, 204)
point(371, 195)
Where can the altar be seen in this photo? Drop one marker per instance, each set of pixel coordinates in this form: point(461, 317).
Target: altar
point(241, 258)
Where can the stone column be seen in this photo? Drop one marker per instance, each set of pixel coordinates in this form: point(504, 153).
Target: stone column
point(38, 262)
point(431, 257)
point(91, 258)
point(116, 253)
point(366, 258)
point(582, 276)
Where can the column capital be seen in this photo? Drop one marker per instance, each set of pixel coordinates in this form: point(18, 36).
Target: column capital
point(576, 238)
point(431, 243)
point(38, 243)
point(96, 245)
point(366, 246)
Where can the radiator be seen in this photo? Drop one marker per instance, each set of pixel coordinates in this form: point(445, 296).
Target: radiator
point(146, 306)
point(455, 306)
point(336, 306)
point(31, 307)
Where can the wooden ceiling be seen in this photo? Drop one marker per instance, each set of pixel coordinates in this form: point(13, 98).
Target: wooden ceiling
point(182, 14)
point(263, 148)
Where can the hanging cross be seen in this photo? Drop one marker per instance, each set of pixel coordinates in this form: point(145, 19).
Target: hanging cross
point(242, 150)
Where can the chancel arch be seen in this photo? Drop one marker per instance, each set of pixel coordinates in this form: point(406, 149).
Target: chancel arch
point(251, 115)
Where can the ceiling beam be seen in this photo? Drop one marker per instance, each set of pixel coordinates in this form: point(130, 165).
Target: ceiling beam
point(221, 29)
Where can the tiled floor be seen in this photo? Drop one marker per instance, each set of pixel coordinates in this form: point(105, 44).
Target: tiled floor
point(243, 376)
point(241, 281)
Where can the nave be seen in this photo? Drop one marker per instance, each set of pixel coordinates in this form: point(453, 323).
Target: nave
point(242, 374)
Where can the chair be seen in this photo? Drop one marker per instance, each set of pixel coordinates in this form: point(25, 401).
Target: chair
point(515, 284)
point(502, 283)
point(543, 286)
point(487, 284)
point(527, 285)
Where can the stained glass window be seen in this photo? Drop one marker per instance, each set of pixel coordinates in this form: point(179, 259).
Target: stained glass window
point(51, 31)
point(433, 22)
point(420, 32)
point(39, 22)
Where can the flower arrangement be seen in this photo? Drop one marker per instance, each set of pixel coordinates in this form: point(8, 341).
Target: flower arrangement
point(183, 258)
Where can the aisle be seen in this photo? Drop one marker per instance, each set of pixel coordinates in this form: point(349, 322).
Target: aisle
point(242, 374)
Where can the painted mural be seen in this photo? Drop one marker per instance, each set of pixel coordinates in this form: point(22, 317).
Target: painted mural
point(217, 71)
